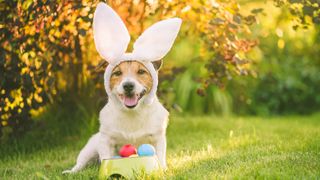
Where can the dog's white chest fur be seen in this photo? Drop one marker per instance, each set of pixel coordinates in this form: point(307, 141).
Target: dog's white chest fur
point(119, 127)
point(133, 127)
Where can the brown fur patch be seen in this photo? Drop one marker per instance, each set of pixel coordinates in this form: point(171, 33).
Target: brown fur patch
point(134, 69)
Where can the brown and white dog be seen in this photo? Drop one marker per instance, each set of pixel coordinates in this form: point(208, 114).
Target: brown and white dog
point(133, 114)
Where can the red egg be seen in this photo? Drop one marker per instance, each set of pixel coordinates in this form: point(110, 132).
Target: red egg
point(127, 150)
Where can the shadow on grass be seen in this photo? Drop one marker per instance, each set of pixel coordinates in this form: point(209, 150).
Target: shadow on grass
point(60, 125)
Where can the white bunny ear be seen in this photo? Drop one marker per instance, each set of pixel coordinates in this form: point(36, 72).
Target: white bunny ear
point(155, 42)
point(111, 36)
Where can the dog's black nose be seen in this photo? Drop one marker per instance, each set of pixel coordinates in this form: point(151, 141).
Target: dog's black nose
point(128, 86)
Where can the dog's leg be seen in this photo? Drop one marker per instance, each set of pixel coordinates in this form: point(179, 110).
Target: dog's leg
point(86, 154)
point(161, 147)
point(104, 147)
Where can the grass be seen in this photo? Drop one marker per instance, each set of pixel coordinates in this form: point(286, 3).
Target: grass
point(199, 147)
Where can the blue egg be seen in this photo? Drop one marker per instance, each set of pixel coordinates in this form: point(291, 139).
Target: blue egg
point(116, 157)
point(146, 150)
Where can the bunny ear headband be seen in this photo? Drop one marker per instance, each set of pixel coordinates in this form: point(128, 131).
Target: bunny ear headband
point(111, 39)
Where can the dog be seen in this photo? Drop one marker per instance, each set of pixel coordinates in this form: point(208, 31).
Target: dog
point(133, 114)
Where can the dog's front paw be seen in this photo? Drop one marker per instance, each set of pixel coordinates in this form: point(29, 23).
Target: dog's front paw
point(101, 158)
point(69, 171)
point(164, 168)
point(75, 169)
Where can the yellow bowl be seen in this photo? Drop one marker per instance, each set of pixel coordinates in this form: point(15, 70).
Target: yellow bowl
point(127, 167)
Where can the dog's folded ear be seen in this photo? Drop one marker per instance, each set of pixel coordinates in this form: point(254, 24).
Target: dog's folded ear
point(102, 65)
point(156, 41)
point(111, 36)
point(157, 64)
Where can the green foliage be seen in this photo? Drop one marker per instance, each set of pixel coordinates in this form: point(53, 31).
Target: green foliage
point(288, 71)
point(40, 51)
point(181, 94)
point(284, 70)
point(306, 12)
point(291, 89)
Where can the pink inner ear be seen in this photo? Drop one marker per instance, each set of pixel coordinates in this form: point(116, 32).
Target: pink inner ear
point(157, 64)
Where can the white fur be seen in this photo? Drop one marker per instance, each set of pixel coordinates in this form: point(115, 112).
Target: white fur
point(119, 126)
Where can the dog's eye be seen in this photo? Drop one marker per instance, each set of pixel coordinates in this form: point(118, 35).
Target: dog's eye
point(117, 73)
point(141, 71)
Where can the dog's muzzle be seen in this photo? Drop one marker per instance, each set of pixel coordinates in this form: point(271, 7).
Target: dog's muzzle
point(130, 98)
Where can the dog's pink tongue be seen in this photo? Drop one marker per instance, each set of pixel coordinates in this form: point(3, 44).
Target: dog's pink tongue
point(131, 101)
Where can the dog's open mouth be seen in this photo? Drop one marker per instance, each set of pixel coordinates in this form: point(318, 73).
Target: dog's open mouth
point(131, 100)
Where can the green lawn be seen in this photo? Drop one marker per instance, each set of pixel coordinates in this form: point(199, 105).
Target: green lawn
point(199, 147)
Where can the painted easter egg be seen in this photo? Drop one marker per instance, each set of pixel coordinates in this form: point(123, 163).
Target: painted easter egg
point(146, 150)
point(127, 150)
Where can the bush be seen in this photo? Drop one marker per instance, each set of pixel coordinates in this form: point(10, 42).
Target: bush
point(41, 50)
point(292, 83)
point(288, 79)
point(47, 47)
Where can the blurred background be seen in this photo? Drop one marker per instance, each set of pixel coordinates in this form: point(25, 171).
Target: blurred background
point(251, 58)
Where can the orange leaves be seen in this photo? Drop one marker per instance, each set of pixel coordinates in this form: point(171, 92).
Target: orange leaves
point(246, 45)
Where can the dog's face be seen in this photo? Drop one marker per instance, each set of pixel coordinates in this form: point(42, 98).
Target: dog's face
point(129, 82)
